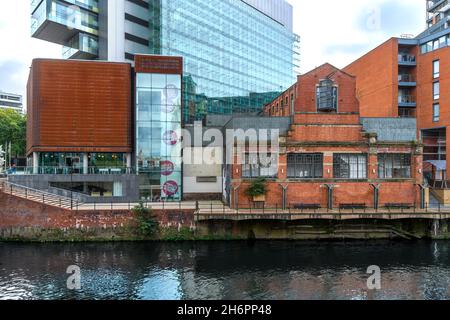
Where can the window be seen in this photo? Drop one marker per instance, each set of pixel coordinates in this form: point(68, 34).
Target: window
point(436, 67)
point(436, 112)
point(436, 90)
point(394, 166)
point(350, 166)
point(305, 166)
point(256, 166)
point(327, 96)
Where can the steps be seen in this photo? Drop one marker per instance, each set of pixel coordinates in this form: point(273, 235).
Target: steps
point(38, 196)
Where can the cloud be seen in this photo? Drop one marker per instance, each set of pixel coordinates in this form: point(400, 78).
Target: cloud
point(339, 32)
point(12, 76)
point(19, 48)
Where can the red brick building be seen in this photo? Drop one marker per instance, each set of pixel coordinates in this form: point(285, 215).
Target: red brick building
point(410, 78)
point(328, 158)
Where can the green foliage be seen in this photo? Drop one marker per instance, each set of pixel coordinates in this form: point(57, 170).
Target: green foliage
point(13, 128)
point(257, 188)
point(147, 222)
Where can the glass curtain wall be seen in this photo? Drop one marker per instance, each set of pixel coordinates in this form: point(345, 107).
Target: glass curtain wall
point(158, 145)
point(236, 59)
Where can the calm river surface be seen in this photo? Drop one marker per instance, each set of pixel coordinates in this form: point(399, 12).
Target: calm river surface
point(226, 270)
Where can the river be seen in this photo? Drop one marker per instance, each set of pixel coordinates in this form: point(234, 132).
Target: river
point(226, 270)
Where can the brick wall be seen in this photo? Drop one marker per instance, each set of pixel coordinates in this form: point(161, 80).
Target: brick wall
point(17, 212)
point(377, 80)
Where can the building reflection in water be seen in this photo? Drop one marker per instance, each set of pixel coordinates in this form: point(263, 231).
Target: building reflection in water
point(226, 270)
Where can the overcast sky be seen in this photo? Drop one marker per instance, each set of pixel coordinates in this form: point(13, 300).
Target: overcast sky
point(331, 31)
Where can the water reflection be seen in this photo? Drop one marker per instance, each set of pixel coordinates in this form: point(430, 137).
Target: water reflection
point(226, 270)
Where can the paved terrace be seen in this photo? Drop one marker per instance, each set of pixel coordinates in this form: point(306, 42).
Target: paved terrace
point(205, 211)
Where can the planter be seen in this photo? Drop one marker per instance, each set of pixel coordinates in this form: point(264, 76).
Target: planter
point(261, 198)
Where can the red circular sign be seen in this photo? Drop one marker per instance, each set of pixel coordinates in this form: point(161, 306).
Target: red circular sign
point(170, 188)
point(167, 168)
point(170, 138)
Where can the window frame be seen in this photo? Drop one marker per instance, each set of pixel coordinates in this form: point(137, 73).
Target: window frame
point(338, 170)
point(436, 93)
point(405, 161)
point(253, 170)
point(436, 115)
point(436, 74)
point(301, 163)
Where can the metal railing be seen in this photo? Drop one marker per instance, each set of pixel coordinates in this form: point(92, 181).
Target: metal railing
point(68, 170)
point(39, 196)
point(386, 211)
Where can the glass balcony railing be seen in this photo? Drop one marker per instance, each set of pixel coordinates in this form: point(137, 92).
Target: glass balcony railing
point(406, 99)
point(68, 170)
point(406, 78)
point(83, 45)
point(406, 59)
point(73, 17)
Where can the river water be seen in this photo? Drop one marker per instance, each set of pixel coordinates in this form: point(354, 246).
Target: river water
point(226, 270)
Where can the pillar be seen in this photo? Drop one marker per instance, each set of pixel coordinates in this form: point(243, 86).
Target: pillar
point(85, 163)
point(35, 162)
point(128, 159)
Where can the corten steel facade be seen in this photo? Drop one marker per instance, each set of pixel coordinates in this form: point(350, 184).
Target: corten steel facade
point(238, 54)
point(107, 126)
point(327, 158)
point(79, 106)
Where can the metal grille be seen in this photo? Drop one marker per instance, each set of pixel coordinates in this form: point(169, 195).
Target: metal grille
point(392, 166)
point(350, 166)
point(305, 166)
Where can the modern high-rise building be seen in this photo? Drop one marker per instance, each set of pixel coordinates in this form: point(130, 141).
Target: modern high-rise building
point(238, 54)
point(11, 101)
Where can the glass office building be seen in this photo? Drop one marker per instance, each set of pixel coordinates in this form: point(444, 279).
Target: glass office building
point(237, 58)
point(238, 54)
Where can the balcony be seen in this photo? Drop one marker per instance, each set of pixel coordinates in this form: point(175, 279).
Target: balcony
point(407, 101)
point(58, 22)
point(81, 46)
point(406, 80)
point(407, 60)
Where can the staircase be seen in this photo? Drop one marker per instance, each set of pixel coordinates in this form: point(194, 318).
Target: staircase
point(38, 196)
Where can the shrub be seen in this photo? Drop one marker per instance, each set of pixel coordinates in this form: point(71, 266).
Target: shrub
point(147, 221)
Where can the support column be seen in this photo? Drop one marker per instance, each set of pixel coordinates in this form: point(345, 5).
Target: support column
point(85, 163)
point(35, 162)
point(448, 151)
point(376, 195)
point(330, 188)
point(128, 159)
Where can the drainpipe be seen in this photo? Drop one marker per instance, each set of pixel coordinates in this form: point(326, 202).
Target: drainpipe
point(376, 193)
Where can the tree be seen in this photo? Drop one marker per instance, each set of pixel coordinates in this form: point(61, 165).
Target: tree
point(13, 128)
point(2, 158)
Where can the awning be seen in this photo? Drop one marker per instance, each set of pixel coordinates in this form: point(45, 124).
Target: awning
point(438, 164)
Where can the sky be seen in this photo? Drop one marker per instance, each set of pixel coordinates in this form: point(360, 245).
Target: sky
point(331, 31)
